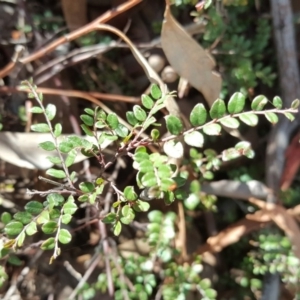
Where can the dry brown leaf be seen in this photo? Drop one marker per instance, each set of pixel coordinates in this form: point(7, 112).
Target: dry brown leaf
point(233, 233)
point(295, 211)
point(75, 13)
point(269, 212)
point(189, 59)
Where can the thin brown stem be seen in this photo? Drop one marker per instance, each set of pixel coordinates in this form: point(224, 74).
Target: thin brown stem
point(92, 26)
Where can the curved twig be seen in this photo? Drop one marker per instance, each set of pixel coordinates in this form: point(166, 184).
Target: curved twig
point(92, 26)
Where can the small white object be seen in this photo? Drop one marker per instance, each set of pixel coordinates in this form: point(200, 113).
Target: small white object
point(157, 62)
point(169, 75)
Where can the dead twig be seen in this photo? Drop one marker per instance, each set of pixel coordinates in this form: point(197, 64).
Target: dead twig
point(92, 26)
point(90, 96)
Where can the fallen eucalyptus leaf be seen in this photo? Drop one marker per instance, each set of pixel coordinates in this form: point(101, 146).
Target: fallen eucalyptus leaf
point(22, 149)
point(189, 59)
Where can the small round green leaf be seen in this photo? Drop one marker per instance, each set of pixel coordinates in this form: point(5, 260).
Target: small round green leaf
point(139, 113)
point(34, 207)
point(75, 141)
point(192, 202)
point(208, 175)
point(48, 146)
point(56, 173)
point(87, 120)
point(230, 154)
point(140, 206)
point(42, 127)
point(50, 111)
point(211, 294)
point(83, 198)
point(109, 218)
point(5, 217)
point(151, 193)
point(194, 139)
point(106, 138)
point(236, 103)
point(64, 236)
point(155, 216)
point(70, 208)
point(92, 198)
point(245, 149)
point(57, 130)
point(249, 153)
point(218, 109)
point(117, 228)
point(271, 117)
point(31, 228)
point(230, 122)
point(259, 102)
point(44, 217)
point(71, 158)
point(140, 156)
point(112, 120)
point(164, 171)
point(54, 213)
point(212, 129)
point(49, 227)
point(154, 134)
point(277, 102)
point(14, 260)
point(36, 110)
point(127, 220)
point(147, 101)
point(155, 91)
point(174, 124)
point(65, 146)
point(13, 228)
point(158, 159)
point(295, 104)
point(65, 219)
point(198, 115)
point(169, 197)
point(48, 244)
point(86, 187)
point(89, 111)
point(121, 130)
point(146, 166)
point(54, 159)
point(243, 145)
point(23, 216)
point(249, 119)
point(149, 179)
point(148, 122)
point(21, 239)
point(87, 130)
point(195, 187)
point(55, 199)
point(100, 124)
point(130, 194)
point(132, 120)
point(173, 149)
point(141, 149)
point(101, 115)
point(127, 212)
point(166, 184)
point(289, 116)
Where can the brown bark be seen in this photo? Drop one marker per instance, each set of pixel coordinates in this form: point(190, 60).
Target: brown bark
point(284, 35)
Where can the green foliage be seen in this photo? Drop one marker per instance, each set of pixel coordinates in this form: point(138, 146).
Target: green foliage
point(244, 56)
point(146, 273)
point(157, 177)
point(273, 253)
